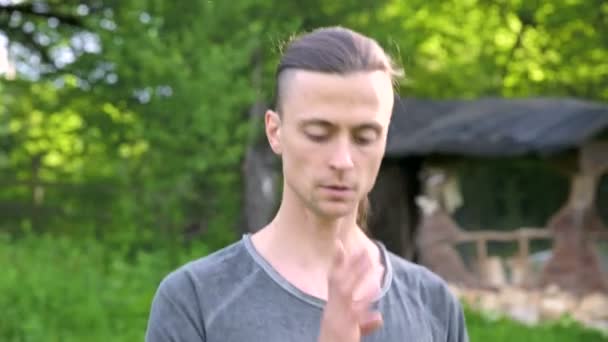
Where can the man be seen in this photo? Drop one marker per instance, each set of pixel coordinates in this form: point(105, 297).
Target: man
point(312, 274)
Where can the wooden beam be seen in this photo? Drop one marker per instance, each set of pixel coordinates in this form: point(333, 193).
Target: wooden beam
point(496, 235)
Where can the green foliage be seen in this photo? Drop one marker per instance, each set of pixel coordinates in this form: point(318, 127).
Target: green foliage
point(58, 289)
point(509, 48)
point(484, 327)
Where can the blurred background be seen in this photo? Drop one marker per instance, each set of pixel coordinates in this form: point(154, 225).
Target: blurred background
point(131, 142)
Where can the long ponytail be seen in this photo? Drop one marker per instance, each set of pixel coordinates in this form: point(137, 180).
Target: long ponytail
point(363, 212)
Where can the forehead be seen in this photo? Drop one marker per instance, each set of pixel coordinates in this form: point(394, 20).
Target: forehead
point(357, 95)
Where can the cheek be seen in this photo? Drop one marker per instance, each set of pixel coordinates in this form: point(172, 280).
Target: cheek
point(371, 161)
point(372, 155)
point(302, 150)
point(300, 159)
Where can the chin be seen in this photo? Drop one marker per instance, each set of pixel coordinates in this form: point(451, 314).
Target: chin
point(335, 210)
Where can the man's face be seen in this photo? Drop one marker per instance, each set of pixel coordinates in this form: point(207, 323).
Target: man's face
point(331, 134)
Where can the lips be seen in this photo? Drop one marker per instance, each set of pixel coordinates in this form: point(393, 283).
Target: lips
point(338, 192)
point(337, 187)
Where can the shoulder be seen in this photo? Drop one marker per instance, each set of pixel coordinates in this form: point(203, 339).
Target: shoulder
point(176, 311)
point(412, 274)
point(433, 294)
point(209, 271)
point(421, 283)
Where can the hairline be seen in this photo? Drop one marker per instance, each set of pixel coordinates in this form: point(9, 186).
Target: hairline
point(288, 74)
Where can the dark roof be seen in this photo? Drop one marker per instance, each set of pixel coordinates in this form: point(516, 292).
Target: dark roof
point(493, 127)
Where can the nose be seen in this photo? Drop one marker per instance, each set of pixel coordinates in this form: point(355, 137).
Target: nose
point(341, 158)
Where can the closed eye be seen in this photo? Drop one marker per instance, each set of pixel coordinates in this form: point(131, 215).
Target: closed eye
point(365, 137)
point(317, 137)
point(363, 141)
point(317, 131)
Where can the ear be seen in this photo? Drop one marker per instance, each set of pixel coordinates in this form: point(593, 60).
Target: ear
point(273, 130)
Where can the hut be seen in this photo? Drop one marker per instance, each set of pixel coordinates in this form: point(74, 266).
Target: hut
point(429, 137)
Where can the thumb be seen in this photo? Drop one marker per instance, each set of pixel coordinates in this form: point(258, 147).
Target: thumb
point(339, 255)
point(370, 322)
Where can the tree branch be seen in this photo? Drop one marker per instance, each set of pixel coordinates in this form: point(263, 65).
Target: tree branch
point(30, 9)
point(516, 46)
point(27, 40)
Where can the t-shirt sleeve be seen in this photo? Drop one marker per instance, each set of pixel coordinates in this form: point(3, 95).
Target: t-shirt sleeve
point(174, 313)
point(456, 327)
point(445, 307)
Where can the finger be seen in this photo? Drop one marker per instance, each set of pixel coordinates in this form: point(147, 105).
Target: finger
point(335, 272)
point(363, 304)
point(369, 286)
point(339, 256)
point(343, 280)
point(357, 269)
point(370, 322)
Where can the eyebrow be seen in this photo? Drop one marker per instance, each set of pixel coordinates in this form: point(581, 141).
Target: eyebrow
point(324, 123)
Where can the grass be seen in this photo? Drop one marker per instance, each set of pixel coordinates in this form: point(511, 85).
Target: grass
point(483, 327)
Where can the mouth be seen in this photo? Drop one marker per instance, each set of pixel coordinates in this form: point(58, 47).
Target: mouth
point(337, 187)
point(338, 192)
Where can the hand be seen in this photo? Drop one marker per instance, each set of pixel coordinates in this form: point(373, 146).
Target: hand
point(351, 291)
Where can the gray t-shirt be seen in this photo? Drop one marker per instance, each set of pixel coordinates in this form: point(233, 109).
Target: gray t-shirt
point(235, 295)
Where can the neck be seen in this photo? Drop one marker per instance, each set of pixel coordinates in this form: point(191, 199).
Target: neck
point(301, 246)
point(298, 237)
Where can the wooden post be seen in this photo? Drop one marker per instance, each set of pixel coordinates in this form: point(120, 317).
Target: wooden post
point(482, 252)
point(524, 247)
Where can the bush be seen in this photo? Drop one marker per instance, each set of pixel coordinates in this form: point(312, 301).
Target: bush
point(56, 289)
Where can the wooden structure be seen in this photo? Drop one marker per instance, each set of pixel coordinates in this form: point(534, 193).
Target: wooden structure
point(422, 131)
point(574, 265)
